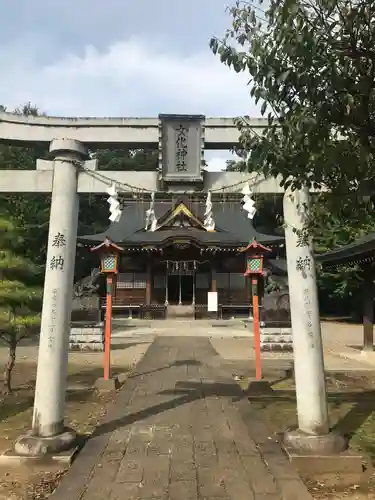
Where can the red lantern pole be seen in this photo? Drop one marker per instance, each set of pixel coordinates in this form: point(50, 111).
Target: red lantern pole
point(255, 253)
point(109, 257)
point(256, 328)
point(108, 327)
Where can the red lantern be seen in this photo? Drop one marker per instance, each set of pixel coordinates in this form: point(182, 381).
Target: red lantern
point(109, 256)
point(255, 254)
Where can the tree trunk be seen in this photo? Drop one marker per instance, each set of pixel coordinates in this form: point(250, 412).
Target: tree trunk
point(9, 368)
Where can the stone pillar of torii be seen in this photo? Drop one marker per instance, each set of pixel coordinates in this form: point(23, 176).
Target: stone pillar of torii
point(48, 434)
point(313, 433)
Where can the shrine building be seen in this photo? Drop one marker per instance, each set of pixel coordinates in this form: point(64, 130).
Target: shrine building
point(170, 269)
point(183, 239)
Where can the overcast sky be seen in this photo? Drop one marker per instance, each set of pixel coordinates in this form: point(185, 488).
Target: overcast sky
point(119, 58)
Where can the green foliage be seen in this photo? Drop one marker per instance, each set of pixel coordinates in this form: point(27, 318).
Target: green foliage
point(269, 215)
point(127, 159)
point(20, 297)
point(312, 66)
point(26, 210)
point(32, 211)
point(334, 224)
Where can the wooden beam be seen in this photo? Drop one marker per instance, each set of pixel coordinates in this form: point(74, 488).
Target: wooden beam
point(148, 281)
point(213, 278)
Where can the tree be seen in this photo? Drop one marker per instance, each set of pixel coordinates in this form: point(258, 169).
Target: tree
point(312, 69)
point(27, 210)
point(339, 287)
point(32, 211)
point(312, 65)
point(20, 299)
point(127, 159)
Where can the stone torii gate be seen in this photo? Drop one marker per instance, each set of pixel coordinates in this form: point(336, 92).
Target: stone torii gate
point(181, 140)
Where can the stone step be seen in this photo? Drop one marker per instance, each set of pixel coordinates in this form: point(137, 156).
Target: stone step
point(278, 338)
point(276, 341)
point(180, 312)
point(87, 338)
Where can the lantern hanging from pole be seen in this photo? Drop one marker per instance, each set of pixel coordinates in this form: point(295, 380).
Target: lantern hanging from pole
point(109, 256)
point(254, 257)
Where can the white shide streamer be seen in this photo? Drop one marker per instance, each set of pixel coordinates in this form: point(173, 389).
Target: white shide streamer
point(248, 202)
point(151, 220)
point(209, 222)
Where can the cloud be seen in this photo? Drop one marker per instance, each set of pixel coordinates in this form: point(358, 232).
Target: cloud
point(216, 164)
point(217, 160)
point(132, 77)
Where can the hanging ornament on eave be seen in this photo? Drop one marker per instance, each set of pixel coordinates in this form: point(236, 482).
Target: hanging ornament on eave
point(248, 204)
point(151, 220)
point(209, 223)
point(114, 204)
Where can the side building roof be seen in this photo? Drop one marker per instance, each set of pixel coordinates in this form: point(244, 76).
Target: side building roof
point(359, 251)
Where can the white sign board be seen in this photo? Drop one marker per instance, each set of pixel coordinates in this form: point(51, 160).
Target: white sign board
point(212, 301)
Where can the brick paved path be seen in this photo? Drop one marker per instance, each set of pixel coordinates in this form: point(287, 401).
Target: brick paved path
point(177, 432)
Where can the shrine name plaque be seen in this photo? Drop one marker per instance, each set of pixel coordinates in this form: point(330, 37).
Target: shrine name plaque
point(181, 147)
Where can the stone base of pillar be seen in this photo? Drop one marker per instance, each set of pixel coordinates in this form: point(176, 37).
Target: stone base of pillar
point(30, 445)
point(326, 444)
point(63, 459)
point(103, 385)
point(259, 387)
point(326, 459)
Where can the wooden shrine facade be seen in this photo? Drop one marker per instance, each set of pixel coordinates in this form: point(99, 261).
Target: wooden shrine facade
point(180, 261)
point(181, 275)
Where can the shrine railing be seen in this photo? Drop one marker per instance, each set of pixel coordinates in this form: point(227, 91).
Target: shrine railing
point(140, 311)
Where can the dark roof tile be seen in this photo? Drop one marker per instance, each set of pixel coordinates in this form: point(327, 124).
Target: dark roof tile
point(232, 226)
point(351, 253)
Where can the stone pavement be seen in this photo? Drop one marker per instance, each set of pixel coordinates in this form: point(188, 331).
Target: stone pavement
point(188, 328)
point(179, 430)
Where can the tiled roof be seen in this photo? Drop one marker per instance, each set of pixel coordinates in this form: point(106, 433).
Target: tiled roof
point(233, 228)
point(359, 251)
